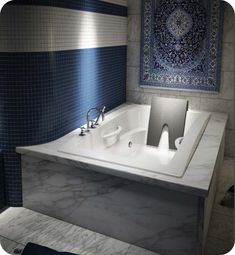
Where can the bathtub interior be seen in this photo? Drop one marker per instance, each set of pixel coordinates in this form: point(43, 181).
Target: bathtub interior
point(121, 139)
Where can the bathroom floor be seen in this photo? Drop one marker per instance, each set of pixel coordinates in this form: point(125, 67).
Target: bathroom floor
point(19, 226)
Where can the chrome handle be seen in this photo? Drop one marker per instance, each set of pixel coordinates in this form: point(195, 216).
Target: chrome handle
point(93, 124)
point(82, 131)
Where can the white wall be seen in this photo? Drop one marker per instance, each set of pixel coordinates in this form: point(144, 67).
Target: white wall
point(222, 102)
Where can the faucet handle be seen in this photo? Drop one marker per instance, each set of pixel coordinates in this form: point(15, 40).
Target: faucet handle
point(102, 112)
point(93, 123)
point(82, 131)
point(103, 108)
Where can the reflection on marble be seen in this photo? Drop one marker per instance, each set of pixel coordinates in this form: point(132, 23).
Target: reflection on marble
point(154, 218)
point(23, 225)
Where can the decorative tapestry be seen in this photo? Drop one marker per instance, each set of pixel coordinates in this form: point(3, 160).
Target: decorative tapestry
point(181, 44)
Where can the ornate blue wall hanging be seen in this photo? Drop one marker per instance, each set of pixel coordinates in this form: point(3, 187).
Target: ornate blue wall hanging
point(181, 44)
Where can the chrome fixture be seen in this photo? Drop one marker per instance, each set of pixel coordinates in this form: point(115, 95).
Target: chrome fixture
point(101, 113)
point(82, 131)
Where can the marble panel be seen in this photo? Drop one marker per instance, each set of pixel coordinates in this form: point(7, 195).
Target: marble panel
point(134, 6)
point(228, 57)
point(229, 141)
point(150, 217)
point(216, 246)
point(229, 28)
point(139, 98)
point(230, 124)
point(226, 179)
point(208, 104)
point(228, 85)
point(218, 208)
point(133, 78)
point(134, 26)
point(222, 227)
point(133, 54)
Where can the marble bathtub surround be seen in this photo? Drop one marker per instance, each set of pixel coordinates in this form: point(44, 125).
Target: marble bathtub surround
point(143, 215)
point(220, 228)
point(196, 179)
point(164, 214)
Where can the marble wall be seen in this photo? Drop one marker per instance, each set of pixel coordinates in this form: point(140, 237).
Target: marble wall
point(221, 102)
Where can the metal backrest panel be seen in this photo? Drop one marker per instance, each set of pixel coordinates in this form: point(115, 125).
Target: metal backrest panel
point(170, 112)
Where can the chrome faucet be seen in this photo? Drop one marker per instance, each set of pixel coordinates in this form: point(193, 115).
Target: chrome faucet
point(101, 113)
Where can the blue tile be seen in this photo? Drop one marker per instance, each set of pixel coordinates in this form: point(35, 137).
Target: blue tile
point(84, 5)
point(45, 95)
point(2, 194)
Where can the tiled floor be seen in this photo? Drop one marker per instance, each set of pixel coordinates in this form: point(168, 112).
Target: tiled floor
point(19, 226)
point(22, 225)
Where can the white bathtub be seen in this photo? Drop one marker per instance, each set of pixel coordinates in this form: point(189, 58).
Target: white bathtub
point(121, 139)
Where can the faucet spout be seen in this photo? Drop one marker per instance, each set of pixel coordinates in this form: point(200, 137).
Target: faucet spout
point(101, 113)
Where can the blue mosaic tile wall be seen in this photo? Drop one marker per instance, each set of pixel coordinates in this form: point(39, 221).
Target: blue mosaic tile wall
point(84, 5)
point(45, 95)
point(2, 198)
